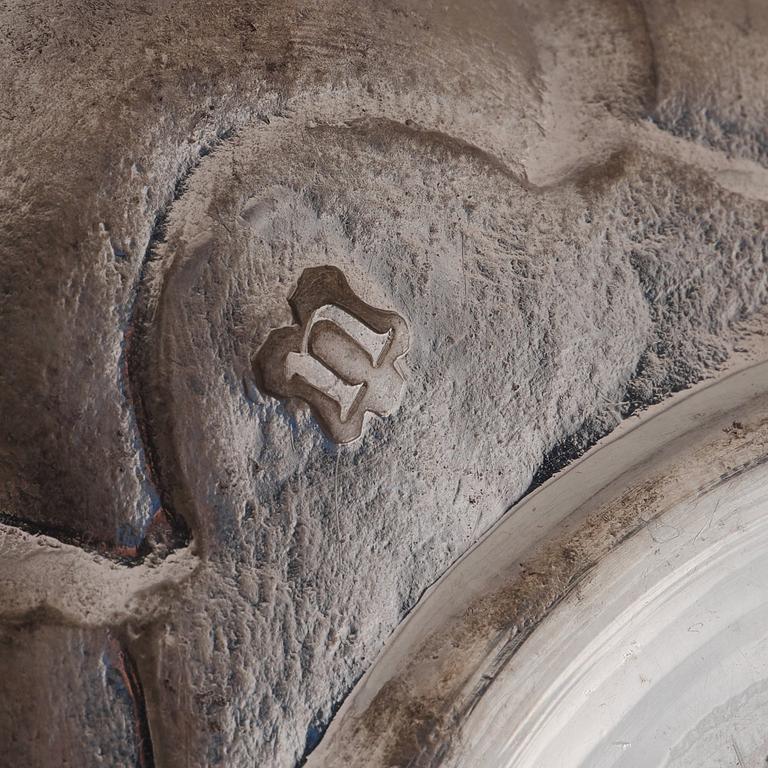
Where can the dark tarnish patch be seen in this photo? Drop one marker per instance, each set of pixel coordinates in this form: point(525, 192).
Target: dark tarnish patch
point(418, 718)
point(492, 630)
point(127, 556)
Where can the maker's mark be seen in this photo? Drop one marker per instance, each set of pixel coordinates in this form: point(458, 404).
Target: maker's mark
point(340, 358)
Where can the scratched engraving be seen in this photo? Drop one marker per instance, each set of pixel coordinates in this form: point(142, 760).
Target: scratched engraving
point(341, 357)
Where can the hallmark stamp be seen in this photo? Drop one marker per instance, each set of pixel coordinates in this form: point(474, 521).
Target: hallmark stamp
point(341, 356)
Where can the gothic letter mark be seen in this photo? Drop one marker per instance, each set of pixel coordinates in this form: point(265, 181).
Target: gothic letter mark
point(340, 357)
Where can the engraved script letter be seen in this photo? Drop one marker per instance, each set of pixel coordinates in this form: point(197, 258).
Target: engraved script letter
point(340, 358)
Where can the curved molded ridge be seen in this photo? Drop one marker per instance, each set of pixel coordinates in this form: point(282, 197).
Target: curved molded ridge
point(413, 704)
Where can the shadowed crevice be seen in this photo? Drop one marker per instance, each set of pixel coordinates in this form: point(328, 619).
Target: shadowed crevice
point(125, 667)
point(170, 529)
